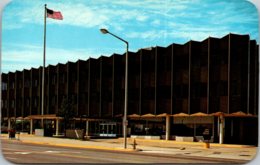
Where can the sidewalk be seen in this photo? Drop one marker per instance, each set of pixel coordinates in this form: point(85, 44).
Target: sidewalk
point(239, 152)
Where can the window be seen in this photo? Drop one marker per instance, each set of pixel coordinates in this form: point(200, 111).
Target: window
point(35, 102)
point(53, 100)
point(27, 84)
point(4, 86)
point(53, 80)
point(4, 104)
point(74, 77)
point(63, 78)
point(20, 102)
point(74, 99)
point(12, 85)
point(82, 97)
point(35, 83)
point(235, 87)
point(12, 104)
point(203, 90)
point(223, 88)
point(20, 84)
point(27, 102)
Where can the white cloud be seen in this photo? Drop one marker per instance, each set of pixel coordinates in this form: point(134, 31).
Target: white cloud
point(147, 35)
point(192, 27)
point(82, 15)
point(154, 5)
point(156, 22)
point(95, 13)
point(79, 15)
point(142, 18)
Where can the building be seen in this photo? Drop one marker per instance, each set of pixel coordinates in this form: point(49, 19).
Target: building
point(174, 91)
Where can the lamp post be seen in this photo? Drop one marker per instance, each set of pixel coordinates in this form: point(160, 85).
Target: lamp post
point(125, 122)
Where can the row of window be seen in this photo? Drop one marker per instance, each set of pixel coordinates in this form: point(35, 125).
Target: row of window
point(19, 103)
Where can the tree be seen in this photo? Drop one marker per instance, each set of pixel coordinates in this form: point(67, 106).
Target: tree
point(66, 112)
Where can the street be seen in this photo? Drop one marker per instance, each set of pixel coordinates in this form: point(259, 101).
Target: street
point(18, 152)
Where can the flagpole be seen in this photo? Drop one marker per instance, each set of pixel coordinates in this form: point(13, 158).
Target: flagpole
point(43, 68)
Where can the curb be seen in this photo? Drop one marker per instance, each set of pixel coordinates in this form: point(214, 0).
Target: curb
point(77, 146)
point(192, 143)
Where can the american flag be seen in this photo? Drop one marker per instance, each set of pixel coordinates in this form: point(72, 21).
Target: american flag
point(54, 14)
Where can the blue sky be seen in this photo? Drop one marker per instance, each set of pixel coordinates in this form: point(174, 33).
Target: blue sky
point(143, 24)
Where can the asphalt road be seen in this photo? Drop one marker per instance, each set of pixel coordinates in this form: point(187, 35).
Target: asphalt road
point(18, 152)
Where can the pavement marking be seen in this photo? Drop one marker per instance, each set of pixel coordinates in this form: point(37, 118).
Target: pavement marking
point(23, 153)
point(53, 152)
point(154, 151)
point(61, 151)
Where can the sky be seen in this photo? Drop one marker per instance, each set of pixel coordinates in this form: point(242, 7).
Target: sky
point(143, 24)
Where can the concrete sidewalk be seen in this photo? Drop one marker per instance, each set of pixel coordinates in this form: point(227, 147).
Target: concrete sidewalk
point(239, 152)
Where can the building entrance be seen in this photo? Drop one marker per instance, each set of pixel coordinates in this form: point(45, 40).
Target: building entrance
point(108, 129)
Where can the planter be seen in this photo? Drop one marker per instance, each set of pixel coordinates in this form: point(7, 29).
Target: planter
point(39, 132)
point(11, 134)
point(184, 139)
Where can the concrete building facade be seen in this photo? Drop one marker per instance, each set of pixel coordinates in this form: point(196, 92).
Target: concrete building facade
point(174, 92)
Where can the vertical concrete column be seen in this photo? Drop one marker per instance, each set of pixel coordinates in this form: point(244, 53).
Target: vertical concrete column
point(221, 129)
point(57, 127)
point(9, 124)
point(87, 128)
point(31, 126)
point(168, 128)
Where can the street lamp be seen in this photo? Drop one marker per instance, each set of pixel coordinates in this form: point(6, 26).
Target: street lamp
point(125, 122)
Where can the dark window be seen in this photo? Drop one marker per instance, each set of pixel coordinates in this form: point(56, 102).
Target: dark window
point(235, 87)
point(74, 99)
point(20, 102)
point(148, 93)
point(35, 83)
point(20, 84)
point(63, 78)
point(4, 86)
point(203, 90)
point(53, 100)
point(223, 88)
point(74, 77)
point(27, 102)
point(35, 102)
point(27, 84)
point(82, 97)
point(12, 104)
point(4, 104)
point(12, 85)
point(53, 80)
